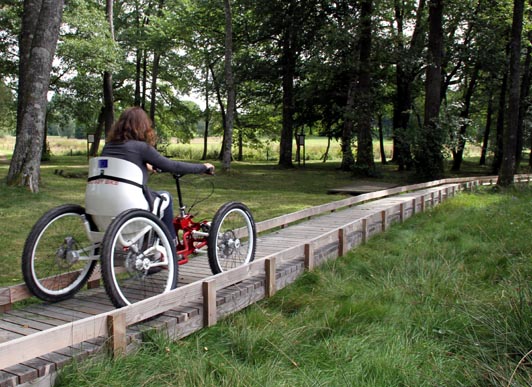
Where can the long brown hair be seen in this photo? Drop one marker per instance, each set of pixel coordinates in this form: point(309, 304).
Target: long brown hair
point(133, 124)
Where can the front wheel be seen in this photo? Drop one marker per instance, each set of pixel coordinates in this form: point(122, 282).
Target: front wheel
point(232, 238)
point(138, 258)
point(58, 255)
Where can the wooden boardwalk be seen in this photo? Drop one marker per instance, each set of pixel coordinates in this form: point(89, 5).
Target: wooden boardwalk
point(285, 248)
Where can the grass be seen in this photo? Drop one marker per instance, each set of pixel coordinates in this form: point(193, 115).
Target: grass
point(441, 300)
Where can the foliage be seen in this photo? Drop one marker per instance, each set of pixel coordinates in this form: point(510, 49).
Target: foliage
point(7, 110)
point(178, 45)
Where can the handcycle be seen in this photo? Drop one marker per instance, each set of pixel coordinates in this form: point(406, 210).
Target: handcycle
point(120, 229)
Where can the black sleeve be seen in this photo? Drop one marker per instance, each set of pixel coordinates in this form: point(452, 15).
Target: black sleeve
point(158, 161)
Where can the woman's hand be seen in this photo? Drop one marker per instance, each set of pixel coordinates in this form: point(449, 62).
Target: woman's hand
point(150, 168)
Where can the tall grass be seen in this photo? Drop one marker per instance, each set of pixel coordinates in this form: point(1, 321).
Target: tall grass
point(441, 300)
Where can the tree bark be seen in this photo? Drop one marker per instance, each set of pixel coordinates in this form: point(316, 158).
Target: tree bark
point(508, 164)
point(497, 156)
point(207, 114)
point(153, 93)
point(230, 84)
point(108, 99)
point(365, 161)
point(38, 41)
point(429, 158)
point(288, 62)
point(348, 160)
point(406, 72)
point(381, 140)
point(524, 104)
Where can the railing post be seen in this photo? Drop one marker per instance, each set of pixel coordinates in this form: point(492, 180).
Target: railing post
point(342, 242)
point(116, 328)
point(401, 212)
point(309, 256)
point(209, 302)
point(271, 286)
point(383, 220)
point(364, 230)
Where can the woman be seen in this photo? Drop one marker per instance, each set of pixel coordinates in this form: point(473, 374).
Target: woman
point(132, 138)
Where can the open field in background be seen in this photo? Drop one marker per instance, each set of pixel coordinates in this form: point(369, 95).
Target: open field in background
point(314, 149)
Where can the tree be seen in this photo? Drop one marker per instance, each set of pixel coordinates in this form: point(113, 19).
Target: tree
point(507, 169)
point(230, 85)
point(429, 157)
point(38, 40)
point(365, 161)
point(408, 67)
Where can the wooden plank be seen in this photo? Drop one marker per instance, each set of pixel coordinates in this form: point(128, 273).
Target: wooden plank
point(43, 342)
point(23, 372)
point(8, 379)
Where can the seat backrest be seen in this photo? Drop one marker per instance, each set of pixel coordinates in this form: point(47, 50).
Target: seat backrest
point(114, 185)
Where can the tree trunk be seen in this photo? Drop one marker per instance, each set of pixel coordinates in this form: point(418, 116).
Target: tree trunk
point(93, 151)
point(288, 61)
point(348, 160)
point(219, 98)
point(406, 70)
point(524, 104)
point(365, 161)
point(497, 157)
point(230, 84)
point(487, 130)
point(507, 169)
point(138, 68)
point(207, 115)
point(458, 153)
point(38, 41)
point(153, 94)
point(429, 158)
point(381, 141)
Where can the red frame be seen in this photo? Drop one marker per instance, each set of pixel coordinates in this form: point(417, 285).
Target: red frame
point(187, 244)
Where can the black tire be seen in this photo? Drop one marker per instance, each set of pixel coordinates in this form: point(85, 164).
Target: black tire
point(51, 266)
point(232, 238)
point(145, 268)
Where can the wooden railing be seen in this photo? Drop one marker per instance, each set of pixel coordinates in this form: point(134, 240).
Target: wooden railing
point(112, 325)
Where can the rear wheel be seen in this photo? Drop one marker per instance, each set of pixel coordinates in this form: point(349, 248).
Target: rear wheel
point(58, 255)
point(232, 237)
point(138, 258)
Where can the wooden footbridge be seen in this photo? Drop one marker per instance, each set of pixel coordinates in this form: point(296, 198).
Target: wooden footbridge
point(37, 340)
